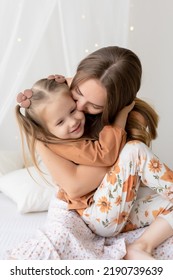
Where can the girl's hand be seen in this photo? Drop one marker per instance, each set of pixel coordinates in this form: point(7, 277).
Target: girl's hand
point(123, 114)
point(129, 107)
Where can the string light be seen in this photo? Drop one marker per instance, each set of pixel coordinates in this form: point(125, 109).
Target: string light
point(131, 28)
point(83, 16)
point(86, 50)
point(96, 45)
point(19, 40)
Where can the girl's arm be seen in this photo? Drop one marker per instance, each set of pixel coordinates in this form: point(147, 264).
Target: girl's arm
point(75, 180)
point(122, 116)
point(103, 152)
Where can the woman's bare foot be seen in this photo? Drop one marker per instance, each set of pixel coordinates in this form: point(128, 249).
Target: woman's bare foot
point(137, 251)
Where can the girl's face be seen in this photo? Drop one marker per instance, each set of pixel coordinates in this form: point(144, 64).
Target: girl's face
point(90, 96)
point(63, 119)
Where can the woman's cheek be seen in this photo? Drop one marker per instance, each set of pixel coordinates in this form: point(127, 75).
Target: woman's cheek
point(74, 95)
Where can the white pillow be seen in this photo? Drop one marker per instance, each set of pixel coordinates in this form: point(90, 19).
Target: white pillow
point(10, 161)
point(30, 196)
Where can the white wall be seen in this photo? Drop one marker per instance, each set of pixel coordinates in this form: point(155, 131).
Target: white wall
point(152, 39)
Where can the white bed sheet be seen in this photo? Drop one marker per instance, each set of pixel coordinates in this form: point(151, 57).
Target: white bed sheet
point(16, 227)
point(63, 236)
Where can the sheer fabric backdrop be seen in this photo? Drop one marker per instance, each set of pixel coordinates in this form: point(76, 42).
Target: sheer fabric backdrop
point(43, 37)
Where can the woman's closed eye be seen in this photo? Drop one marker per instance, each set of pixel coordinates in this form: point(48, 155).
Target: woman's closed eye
point(97, 107)
point(78, 91)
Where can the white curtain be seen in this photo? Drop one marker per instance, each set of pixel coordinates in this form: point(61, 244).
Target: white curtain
point(41, 37)
point(50, 36)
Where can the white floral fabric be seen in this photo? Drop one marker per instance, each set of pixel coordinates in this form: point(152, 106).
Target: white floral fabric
point(65, 236)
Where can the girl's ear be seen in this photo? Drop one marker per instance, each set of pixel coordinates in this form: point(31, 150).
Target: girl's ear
point(69, 81)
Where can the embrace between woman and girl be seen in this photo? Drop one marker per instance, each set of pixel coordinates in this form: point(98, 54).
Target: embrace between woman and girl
point(94, 136)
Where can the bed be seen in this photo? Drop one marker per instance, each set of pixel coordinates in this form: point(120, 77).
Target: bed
point(16, 227)
point(36, 225)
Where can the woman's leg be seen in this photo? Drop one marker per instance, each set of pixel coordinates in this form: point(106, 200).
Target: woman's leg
point(156, 212)
point(154, 235)
point(114, 198)
point(152, 172)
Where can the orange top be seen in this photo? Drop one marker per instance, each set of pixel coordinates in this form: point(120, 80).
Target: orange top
point(103, 152)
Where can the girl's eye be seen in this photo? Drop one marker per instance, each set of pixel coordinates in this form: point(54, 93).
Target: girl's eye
point(60, 122)
point(72, 111)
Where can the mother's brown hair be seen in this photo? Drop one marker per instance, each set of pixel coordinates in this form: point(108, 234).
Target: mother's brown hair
point(120, 71)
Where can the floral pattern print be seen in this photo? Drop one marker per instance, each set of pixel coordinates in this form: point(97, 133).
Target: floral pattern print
point(168, 175)
point(104, 204)
point(115, 207)
point(154, 165)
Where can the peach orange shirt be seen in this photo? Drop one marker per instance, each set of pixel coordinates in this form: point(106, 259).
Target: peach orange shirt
point(103, 152)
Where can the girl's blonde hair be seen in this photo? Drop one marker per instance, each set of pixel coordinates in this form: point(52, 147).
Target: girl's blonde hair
point(31, 126)
point(120, 71)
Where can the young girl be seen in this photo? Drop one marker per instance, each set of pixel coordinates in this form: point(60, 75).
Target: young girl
point(107, 209)
point(52, 117)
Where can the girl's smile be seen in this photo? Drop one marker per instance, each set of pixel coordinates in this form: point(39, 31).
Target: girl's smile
point(62, 117)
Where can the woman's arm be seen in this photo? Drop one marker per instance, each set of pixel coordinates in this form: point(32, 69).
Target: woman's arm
point(75, 180)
